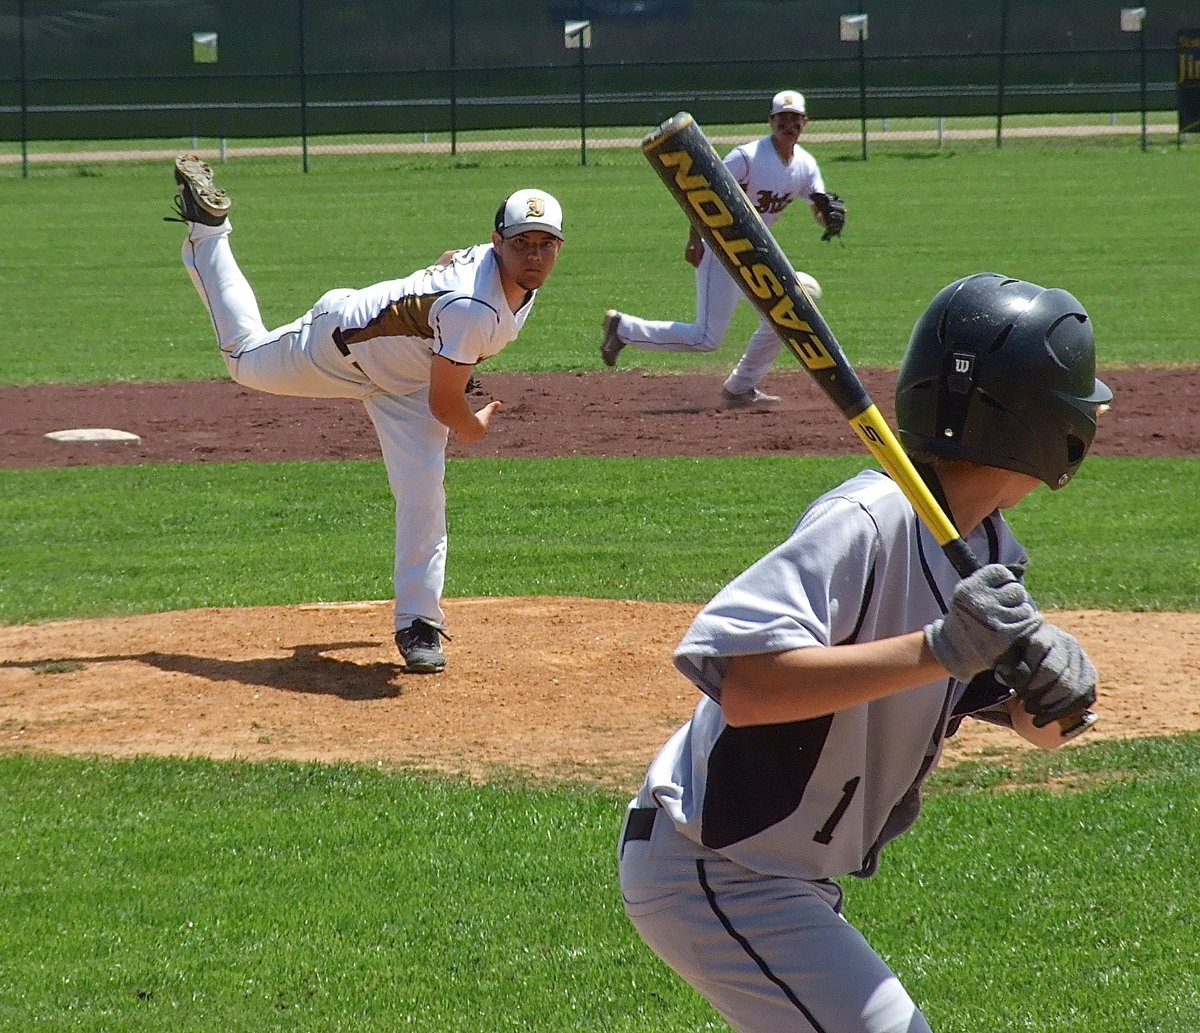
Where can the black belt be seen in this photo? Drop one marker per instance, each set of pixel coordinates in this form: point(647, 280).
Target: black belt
point(341, 345)
point(638, 825)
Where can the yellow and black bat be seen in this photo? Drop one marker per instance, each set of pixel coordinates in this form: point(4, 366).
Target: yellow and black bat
point(717, 206)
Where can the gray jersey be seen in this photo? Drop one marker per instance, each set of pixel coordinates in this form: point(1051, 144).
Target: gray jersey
point(817, 799)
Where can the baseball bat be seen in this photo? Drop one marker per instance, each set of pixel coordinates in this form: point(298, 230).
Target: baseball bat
point(717, 206)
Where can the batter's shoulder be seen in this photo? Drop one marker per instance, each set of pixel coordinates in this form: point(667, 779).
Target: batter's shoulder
point(868, 487)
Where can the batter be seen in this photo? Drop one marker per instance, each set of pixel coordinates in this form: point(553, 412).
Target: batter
point(774, 171)
point(406, 348)
point(833, 669)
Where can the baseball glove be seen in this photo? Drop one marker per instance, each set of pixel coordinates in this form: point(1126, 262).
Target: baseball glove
point(832, 210)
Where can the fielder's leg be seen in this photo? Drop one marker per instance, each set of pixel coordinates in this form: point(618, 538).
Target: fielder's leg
point(716, 298)
point(761, 351)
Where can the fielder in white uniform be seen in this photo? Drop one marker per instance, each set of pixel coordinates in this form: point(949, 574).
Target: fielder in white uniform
point(406, 348)
point(834, 668)
point(774, 171)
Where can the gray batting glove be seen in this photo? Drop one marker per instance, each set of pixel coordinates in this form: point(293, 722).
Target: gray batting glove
point(1051, 675)
point(989, 612)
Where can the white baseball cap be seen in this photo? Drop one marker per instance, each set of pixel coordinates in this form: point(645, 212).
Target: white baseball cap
point(788, 100)
point(528, 210)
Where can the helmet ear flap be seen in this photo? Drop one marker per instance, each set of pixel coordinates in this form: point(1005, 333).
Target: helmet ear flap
point(1077, 448)
point(955, 387)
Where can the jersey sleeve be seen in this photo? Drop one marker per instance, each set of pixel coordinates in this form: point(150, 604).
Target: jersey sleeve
point(815, 182)
point(738, 163)
point(463, 328)
point(810, 591)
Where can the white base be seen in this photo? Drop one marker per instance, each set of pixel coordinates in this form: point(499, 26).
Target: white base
point(91, 434)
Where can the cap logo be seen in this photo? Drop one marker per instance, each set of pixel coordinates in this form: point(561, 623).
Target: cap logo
point(535, 208)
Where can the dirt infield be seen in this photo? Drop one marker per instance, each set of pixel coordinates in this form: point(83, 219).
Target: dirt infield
point(554, 687)
point(610, 412)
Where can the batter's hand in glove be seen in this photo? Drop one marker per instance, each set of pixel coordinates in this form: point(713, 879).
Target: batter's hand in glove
point(990, 612)
point(832, 210)
point(1051, 675)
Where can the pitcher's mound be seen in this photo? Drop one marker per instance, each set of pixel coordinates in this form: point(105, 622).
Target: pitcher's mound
point(561, 688)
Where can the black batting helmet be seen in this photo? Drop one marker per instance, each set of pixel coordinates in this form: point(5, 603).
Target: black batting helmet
point(1001, 372)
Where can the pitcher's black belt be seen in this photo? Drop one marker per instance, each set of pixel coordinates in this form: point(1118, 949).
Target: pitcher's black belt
point(341, 345)
point(639, 824)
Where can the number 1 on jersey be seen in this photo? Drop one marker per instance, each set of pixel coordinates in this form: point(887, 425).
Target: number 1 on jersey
point(824, 835)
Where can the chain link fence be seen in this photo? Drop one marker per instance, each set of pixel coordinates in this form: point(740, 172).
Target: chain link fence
point(575, 82)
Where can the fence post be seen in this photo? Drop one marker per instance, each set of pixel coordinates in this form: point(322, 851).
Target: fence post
point(1001, 71)
point(303, 87)
point(453, 77)
point(24, 89)
point(1142, 47)
point(582, 107)
point(853, 27)
point(1133, 19)
point(578, 35)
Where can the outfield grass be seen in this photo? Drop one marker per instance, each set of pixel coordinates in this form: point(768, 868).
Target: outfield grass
point(94, 289)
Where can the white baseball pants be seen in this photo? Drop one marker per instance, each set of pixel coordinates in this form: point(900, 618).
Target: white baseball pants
point(717, 295)
point(301, 359)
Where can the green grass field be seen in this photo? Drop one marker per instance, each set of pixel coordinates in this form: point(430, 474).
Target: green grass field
point(130, 539)
point(198, 896)
point(94, 289)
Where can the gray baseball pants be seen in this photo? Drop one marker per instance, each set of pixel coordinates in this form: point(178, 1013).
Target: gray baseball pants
point(771, 954)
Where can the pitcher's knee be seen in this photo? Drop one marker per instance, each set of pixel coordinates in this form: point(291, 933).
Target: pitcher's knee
point(232, 365)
